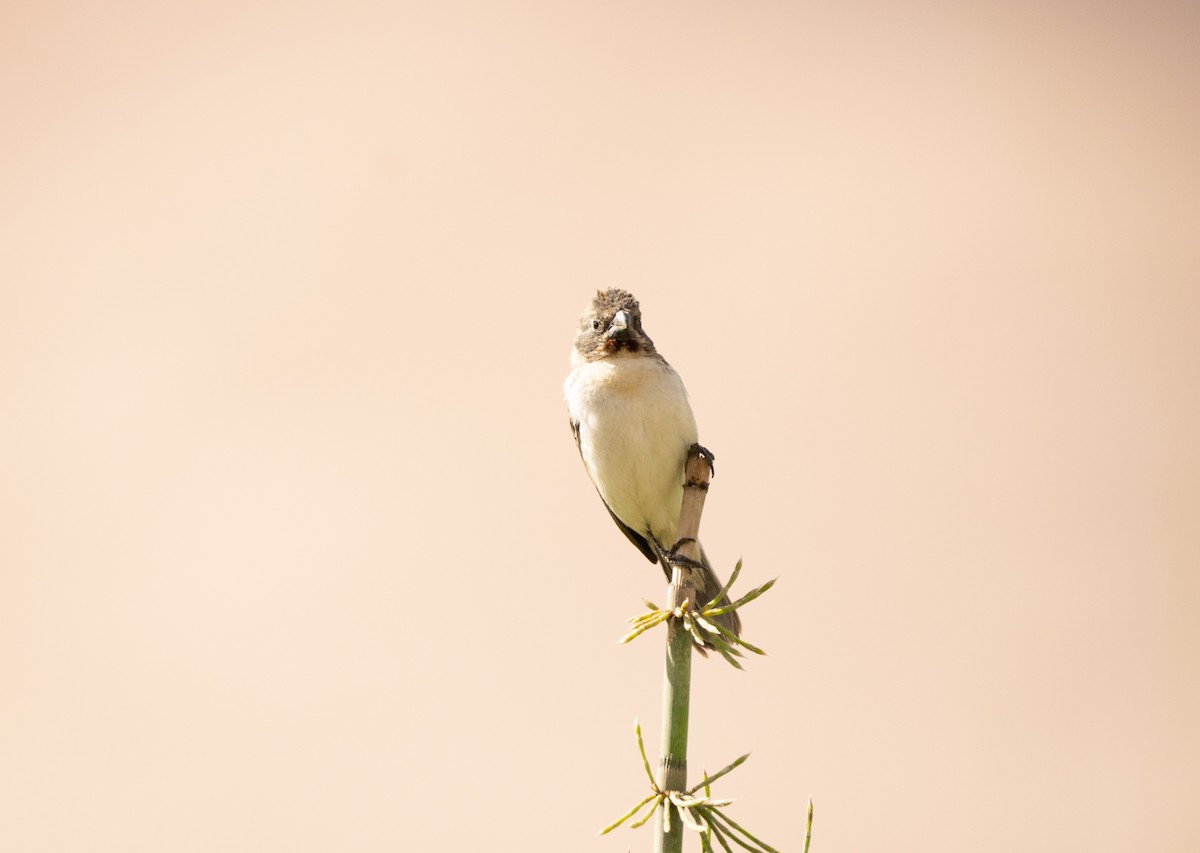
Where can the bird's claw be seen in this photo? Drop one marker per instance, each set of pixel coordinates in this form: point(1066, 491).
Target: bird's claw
point(673, 557)
point(707, 455)
point(676, 559)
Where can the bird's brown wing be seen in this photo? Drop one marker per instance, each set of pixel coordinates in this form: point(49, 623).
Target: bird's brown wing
point(638, 540)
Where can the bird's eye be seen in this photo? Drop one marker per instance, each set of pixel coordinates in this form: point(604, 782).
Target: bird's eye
point(596, 325)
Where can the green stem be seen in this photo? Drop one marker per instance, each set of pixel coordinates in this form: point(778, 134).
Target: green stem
point(672, 771)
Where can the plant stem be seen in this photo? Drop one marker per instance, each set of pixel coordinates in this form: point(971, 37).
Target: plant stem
point(672, 770)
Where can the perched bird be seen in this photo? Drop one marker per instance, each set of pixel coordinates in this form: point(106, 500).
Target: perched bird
point(633, 425)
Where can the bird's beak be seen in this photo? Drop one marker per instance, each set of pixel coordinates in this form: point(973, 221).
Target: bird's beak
point(620, 326)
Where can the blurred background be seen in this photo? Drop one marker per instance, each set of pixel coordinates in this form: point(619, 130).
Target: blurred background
point(296, 551)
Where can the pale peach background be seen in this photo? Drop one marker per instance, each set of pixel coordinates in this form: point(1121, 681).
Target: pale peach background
point(296, 552)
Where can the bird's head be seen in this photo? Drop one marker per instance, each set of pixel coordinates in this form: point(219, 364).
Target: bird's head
point(612, 326)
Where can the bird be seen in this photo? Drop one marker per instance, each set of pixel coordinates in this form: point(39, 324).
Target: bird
point(633, 426)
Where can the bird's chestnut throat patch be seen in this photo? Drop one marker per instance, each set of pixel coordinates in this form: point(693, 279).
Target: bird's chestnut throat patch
point(615, 345)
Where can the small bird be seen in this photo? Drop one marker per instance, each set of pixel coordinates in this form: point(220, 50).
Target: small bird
point(633, 426)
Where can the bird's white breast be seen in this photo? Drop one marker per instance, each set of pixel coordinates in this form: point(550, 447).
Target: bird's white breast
point(635, 428)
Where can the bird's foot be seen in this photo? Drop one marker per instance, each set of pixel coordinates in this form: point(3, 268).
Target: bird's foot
point(672, 557)
point(707, 455)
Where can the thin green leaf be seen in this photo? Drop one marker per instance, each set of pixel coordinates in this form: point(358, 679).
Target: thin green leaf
point(637, 730)
point(649, 812)
point(708, 780)
point(716, 634)
point(745, 599)
point(734, 639)
point(625, 816)
point(706, 836)
point(716, 832)
point(716, 640)
point(637, 632)
point(647, 617)
point(743, 831)
point(717, 822)
point(730, 658)
point(808, 827)
point(749, 646)
point(737, 570)
point(733, 649)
